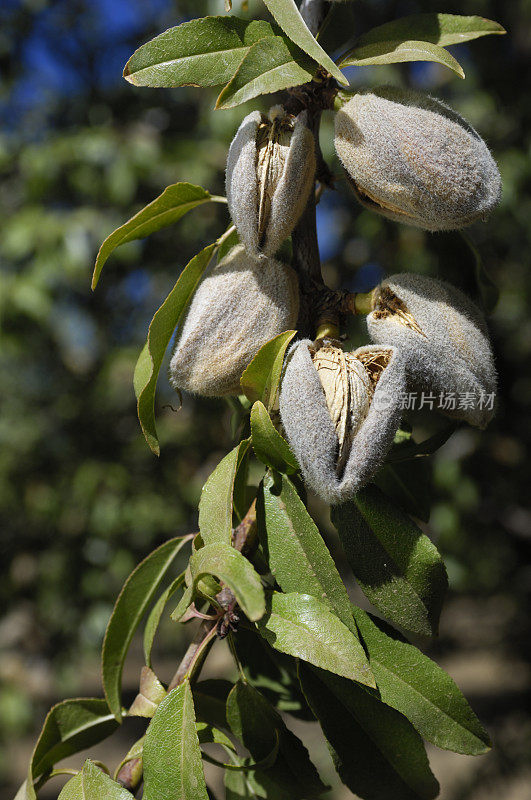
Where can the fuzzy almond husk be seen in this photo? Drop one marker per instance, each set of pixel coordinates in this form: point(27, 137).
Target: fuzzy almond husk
point(415, 160)
point(443, 337)
point(270, 173)
point(314, 431)
point(241, 304)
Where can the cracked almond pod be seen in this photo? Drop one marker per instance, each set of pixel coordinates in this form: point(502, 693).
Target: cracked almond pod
point(270, 173)
point(443, 337)
point(411, 158)
point(340, 413)
point(241, 304)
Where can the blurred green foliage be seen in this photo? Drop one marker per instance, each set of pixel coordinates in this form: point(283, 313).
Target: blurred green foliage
point(82, 498)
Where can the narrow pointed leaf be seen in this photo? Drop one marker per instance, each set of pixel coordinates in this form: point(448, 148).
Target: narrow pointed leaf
point(255, 723)
point(202, 52)
point(261, 378)
point(396, 52)
point(216, 504)
point(441, 29)
point(155, 615)
point(93, 784)
point(70, 727)
point(233, 569)
point(396, 565)
point(174, 202)
point(137, 594)
point(160, 332)
point(298, 557)
point(288, 17)
point(376, 751)
point(208, 734)
point(172, 756)
point(270, 65)
point(269, 446)
point(417, 687)
point(303, 627)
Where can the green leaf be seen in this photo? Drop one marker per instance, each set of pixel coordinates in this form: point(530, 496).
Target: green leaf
point(303, 627)
point(417, 687)
point(208, 734)
point(231, 240)
point(270, 66)
point(172, 756)
point(160, 332)
point(216, 504)
point(269, 446)
point(397, 51)
point(174, 202)
point(396, 565)
point(232, 568)
point(408, 483)
point(261, 378)
point(155, 615)
point(376, 752)
point(488, 291)
point(441, 29)
point(202, 52)
point(298, 557)
point(254, 721)
point(288, 17)
point(72, 790)
point(93, 784)
point(70, 726)
point(137, 594)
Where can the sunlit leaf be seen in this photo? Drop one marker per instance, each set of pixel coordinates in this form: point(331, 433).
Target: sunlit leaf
point(398, 51)
point(137, 594)
point(216, 504)
point(303, 627)
point(289, 18)
point(269, 446)
point(396, 565)
point(417, 687)
point(270, 66)
point(172, 756)
point(160, 332)
point(202, 52)
point(174, 202)
point(232, 568)
point(441, 29)
point(93, 784)
point(261, 378)
point(376, 751)
point(298, 557)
